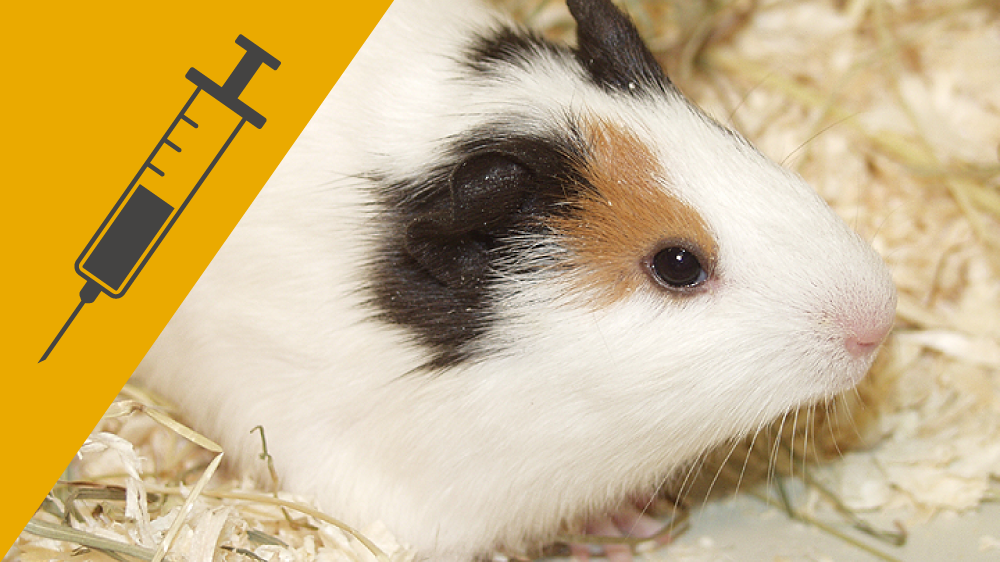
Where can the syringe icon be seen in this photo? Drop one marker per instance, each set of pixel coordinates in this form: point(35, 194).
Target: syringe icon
point(158, 194)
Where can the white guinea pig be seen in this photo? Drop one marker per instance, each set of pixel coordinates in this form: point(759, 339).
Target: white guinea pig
point(500, 285)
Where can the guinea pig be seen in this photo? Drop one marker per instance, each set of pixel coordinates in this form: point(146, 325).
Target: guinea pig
point(499, 286)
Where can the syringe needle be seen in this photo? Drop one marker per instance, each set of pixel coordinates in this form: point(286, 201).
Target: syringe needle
point(61, 332)
point(88, 293)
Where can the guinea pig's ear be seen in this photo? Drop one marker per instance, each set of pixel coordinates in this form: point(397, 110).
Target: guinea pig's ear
point(451, 241)
point(610, 48)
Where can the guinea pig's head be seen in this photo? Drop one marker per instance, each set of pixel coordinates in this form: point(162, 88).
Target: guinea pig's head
point(592, 229)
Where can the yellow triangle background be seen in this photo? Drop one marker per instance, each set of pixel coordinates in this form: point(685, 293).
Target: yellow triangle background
point(89, 89)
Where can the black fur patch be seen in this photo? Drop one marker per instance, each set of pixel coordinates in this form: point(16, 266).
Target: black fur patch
point(449, 231)
point(610, 48)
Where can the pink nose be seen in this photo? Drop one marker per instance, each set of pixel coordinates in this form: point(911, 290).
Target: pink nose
point(865, 334)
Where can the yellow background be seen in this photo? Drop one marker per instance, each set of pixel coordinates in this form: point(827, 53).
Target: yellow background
point(88, 89)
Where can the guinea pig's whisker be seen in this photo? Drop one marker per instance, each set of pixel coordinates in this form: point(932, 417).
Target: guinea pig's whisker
point(803, 455)
point(772, 462)
point(600, 333)
point(718, 471)
point(807, 432)
point(746, 457)
point(731, 118)
point(784, 162)
point(882, 223)
point(811, 424)
point(645, 508)
point(694, 467)
point(831, 412)
point(850, 417)
point(791, 442)
point(688, 482)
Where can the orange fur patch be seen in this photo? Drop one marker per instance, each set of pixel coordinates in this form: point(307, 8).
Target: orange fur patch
point(627, 216)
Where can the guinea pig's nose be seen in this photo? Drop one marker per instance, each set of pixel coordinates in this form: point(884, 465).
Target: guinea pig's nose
point(866, 331)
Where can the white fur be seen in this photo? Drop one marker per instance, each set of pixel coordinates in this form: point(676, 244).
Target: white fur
point(577, 407)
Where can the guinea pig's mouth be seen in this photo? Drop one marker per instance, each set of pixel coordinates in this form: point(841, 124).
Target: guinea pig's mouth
point(855, 361)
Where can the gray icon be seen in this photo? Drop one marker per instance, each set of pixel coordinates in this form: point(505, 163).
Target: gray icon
point(141, 219)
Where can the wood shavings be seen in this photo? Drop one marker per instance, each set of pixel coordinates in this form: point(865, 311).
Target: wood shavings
point(230, 521)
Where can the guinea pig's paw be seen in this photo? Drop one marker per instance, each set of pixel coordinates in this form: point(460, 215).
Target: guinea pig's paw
point(630, 521)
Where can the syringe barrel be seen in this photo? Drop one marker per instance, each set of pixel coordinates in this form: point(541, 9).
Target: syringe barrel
point(135, 224)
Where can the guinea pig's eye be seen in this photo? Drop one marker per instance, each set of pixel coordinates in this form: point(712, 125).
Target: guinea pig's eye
point(677, 268)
